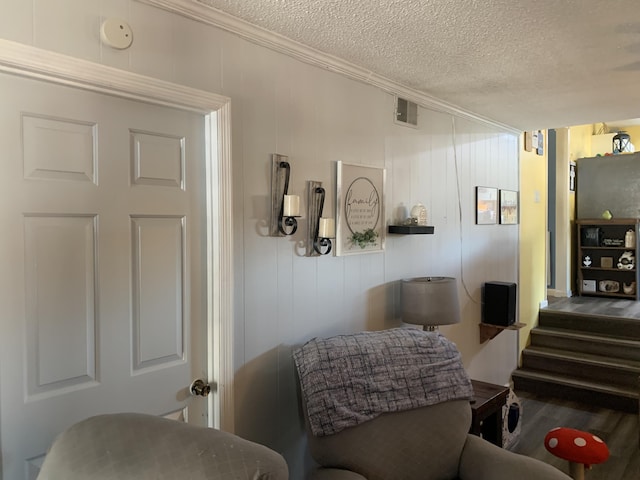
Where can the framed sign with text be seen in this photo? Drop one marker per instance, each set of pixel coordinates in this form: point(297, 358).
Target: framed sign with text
point(360, 209)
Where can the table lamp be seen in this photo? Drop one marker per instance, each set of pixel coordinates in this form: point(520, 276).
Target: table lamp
point(430, 301)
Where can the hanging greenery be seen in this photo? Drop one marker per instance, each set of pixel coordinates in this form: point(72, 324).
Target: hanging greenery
point(368, 237)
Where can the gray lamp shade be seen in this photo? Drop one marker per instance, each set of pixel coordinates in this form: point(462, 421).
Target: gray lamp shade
point(430, 301)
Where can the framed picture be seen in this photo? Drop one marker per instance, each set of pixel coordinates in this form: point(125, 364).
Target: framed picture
point(508, 207)
point(359, 209)
point(486, 205)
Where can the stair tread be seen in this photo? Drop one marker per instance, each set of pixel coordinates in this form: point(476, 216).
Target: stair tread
point(587, 358)
point(563, 313)
point(609, 325)
point(585, 335)
point(576, 382)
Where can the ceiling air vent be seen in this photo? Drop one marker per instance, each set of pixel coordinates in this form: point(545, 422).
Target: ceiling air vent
point(406, 112)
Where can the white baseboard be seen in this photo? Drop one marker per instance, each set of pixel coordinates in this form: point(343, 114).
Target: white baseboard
point(552, 292)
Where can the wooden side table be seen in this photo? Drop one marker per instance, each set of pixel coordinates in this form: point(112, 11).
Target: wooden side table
point(486, 407)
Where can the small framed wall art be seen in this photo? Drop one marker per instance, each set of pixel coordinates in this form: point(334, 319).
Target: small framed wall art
point(486, 205)
point(508, 207)
point(360, 209)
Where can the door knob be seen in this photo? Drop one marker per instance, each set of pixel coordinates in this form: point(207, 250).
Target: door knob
point(200, 388)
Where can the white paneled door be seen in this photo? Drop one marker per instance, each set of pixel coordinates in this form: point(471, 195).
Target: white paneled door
point(102, 207)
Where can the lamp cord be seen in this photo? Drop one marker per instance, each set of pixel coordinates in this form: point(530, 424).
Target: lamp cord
point(455, 162)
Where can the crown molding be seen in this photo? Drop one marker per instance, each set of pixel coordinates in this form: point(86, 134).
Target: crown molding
point(195, 10)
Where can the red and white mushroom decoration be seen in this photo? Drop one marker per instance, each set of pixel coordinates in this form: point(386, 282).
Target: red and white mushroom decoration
point(581, 449)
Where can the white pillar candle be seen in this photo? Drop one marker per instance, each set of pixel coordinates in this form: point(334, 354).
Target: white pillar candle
point(291, 206)
point(327, 228)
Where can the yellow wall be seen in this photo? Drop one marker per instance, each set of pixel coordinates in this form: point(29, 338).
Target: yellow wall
point(581, 138)
point(533, 237)
point(579, 147)
point(580, 141)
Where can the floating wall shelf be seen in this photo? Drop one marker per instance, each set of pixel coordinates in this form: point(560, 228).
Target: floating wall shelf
point(411, 229)
point(489, 331)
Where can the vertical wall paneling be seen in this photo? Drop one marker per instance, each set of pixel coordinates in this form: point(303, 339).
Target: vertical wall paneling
point(19, 25)
point(152, 52)
point(187, 52)
point(64, 28)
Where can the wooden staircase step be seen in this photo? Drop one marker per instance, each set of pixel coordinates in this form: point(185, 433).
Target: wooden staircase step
point(627, 392)
point(586, 358)
point(608, 370)
point(574, 340)
point(611, 326)
point(577, 389)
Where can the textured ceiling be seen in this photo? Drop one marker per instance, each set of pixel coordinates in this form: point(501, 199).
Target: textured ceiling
point(526, 64)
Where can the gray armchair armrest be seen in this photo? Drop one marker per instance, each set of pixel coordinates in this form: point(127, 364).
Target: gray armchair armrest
point(135, 447)
point(482, 460)
point(335, 474)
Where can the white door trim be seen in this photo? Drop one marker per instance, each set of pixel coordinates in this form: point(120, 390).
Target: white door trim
point(31, 62)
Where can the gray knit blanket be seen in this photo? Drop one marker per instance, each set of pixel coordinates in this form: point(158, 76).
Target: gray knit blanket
point(349, 379)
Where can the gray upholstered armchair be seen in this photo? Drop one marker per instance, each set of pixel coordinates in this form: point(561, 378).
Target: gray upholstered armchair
point(427, 443)
point(404, 441)
point(139, 447)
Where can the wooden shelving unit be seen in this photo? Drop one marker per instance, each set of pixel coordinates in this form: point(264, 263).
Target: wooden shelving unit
point(601, 244)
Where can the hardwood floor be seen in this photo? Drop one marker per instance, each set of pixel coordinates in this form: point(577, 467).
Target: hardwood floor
point(619, 431)
point(596, 306)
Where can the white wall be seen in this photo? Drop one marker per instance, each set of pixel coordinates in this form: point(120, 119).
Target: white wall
point(316, 117)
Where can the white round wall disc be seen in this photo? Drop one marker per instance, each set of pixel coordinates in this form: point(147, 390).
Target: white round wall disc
point(116, 33)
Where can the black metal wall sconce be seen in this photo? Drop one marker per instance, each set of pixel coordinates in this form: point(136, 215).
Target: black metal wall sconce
point(284, 208)
point(321, 229)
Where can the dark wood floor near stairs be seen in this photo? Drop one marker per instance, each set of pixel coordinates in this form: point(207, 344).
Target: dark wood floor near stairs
point(596, 306)
point(618, 429)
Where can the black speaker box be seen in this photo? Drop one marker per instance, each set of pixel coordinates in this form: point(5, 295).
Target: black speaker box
point(499, 303)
